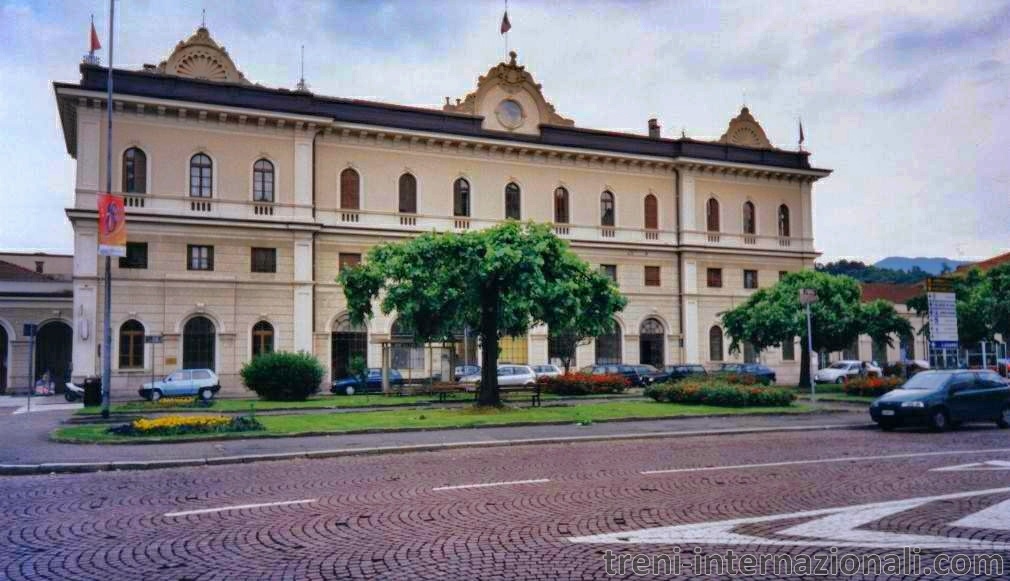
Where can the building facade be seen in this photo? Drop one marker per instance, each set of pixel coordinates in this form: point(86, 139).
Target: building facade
point(244, 202)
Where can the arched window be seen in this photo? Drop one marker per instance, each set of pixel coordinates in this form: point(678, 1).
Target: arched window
point(561, 206)
point(749, 222)
point(512, 203)
point(784, 221)
point(651, 212)
point(262, 338)
point(201, 176)
point(650, 342)
point(715, 352)
point(606, 208)
point(198, 344)
point(346, 343)
point(608, 346)
point(712, 215)
point(461, 197)
point(408, 194)
point(134, 171)
point(263, 181)
point(350, 189)
point(131, 345)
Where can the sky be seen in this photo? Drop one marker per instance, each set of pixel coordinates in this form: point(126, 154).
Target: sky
point(908, 103)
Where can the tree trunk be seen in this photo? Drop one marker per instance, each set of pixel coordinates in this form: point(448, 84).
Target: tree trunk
point(805, 378)
point(488, 393)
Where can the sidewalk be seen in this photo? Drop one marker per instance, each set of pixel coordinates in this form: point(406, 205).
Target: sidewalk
point(25, 439)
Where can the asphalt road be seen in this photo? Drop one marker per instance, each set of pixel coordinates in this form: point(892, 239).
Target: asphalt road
point(546, 512)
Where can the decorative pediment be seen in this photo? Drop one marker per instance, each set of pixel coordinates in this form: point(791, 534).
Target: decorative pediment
point(746, 131)
point(200, 57)
point(509, 100)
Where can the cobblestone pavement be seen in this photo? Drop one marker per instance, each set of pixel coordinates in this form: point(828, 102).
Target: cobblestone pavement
point(415, 516)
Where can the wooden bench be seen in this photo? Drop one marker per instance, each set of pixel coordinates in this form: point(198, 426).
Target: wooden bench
point(533, 389)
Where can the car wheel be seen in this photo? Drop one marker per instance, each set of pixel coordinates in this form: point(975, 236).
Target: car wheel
point(840, 380)
point(1004, 418)
point(938, 420)
point(349, 390)
point(206, 394)
point(156, 395)
point(69, 395)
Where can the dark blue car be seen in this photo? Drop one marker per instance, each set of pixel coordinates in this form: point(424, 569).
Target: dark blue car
point(372, 383)
point(760, 373)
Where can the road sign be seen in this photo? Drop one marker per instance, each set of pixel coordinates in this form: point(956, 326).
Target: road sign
point(30, 329)
point(154, 339)
point(942, 318)
point(808, 296)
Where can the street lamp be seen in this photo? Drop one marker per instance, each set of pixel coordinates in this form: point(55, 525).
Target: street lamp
point(808, 296)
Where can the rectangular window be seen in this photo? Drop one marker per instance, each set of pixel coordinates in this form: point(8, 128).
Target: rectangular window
point(200, 257)
point(714, 278)
point(651, 276)
point(750, 279)
point(136, 255)
point(264, 260)
point(609, 271)
point(782, 274)
point(789, 350)
point(348, 260)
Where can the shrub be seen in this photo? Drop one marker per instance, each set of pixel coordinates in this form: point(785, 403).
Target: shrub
point(718, 392)
point(871, 386)
point(734, 378)
point(178, 425)
point(283, 376)
point(583, 384)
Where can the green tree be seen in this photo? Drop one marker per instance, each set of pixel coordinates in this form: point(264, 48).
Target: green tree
point(499, 281)
point(983, 304)
point(773, 315)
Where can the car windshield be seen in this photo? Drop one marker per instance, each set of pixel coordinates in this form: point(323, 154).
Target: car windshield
point(927, 381)
point(839, 365)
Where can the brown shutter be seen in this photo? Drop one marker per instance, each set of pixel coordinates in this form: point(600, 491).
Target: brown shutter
point(651, 212)
point(349, 189)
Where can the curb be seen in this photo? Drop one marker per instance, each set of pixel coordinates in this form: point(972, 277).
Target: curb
point(86, 467)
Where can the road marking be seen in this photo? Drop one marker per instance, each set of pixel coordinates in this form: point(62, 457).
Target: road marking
point(996, 517)
point(983, 466)
point(825, 461)
point(490, 484)
point(239, 507)
point(834, 527)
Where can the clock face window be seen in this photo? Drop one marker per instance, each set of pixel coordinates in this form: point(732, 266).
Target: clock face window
point(510, 113)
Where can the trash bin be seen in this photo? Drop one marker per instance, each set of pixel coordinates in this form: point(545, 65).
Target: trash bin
point(92, 391)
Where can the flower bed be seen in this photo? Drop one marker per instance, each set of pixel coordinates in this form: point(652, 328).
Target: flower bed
point(583, 384)
point(718, 392)
point(179, 425)
point(871, 386)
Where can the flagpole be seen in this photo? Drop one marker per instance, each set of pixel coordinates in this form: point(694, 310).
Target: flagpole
point(107, 323)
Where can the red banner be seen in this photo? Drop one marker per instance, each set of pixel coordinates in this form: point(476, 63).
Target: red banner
point(111, 225)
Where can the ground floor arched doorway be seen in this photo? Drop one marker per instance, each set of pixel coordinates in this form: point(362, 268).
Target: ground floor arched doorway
point(4, 358)
point(54, 353)
point(199, 344)
point(650, 342)
point(346, 342)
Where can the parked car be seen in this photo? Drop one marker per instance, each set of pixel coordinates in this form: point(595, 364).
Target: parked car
point(547, 370)
point(372, 384)
point(944, 399)
point(185, 382)
point(508, 376)
point(761, 373)
point(841, 371)
point(650, 372)
point(678, 372)
point(636, 377)
point(462, 371)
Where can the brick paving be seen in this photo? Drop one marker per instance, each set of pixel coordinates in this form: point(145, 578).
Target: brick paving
point(379, 517)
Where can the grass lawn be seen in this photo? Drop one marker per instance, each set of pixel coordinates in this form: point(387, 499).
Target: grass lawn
point(413, 419)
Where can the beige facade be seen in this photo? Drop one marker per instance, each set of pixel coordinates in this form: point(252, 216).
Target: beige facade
point(503, 133)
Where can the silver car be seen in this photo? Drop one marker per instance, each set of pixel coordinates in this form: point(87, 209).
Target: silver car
point(508, 376)
point(546, 370)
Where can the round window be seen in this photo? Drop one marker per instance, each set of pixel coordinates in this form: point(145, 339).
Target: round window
point(510, 113)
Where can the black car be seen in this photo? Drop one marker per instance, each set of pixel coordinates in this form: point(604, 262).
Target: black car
point(944, 399)
point(678, 372)
point(637, 375)
point(761, 373)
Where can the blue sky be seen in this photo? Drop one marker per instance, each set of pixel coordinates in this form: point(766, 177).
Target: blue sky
point(907, 102)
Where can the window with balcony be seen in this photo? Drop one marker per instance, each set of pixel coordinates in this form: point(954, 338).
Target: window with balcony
point(134, 171)
point(651, 212)
point(561, 215)
point(408, 194)
point(264, 260)
point(461, 198)
point(749, 219)
point(201, 176)
point(712, 215)
point(263, 181)
point(607, 217)
point(350, 190)
point(784, 221)
point(513, 210)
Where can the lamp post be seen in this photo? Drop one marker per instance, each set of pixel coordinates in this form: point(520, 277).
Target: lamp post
point(808, 297)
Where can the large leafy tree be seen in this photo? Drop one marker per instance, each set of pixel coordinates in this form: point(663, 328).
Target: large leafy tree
point(773, 315)
point(499, 281)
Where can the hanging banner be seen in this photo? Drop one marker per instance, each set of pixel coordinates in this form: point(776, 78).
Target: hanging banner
point(111, 225)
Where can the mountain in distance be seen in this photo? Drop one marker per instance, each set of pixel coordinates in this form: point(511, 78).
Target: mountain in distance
point(930, 265)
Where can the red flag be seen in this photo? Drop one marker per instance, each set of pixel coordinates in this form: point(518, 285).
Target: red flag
point(95, 44)
point(505, 24)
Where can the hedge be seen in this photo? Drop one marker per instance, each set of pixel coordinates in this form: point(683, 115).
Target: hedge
point(871, 386)
point(283, 376)
point(719, 393)
point(583, 384)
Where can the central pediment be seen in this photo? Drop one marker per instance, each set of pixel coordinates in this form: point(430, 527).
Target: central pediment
point(509, 100)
